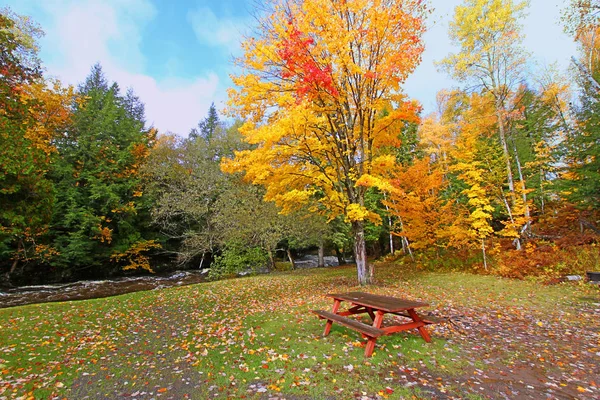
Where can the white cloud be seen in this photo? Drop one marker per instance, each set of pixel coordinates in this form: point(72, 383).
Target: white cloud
point(214, 31)
point(174, 105)
point(81, 33)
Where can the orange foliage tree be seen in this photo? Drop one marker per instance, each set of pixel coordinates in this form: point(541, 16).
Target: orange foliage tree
point(417, 204)
point(314, 83)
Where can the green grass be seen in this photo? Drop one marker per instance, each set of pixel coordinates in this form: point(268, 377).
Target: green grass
point(256, 336)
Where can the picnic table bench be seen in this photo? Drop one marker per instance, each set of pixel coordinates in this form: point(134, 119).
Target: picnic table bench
point(376, 306)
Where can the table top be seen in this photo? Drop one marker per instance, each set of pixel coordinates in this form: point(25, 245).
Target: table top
point(383, 303)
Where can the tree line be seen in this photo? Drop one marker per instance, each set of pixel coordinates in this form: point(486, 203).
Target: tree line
point(321, 150)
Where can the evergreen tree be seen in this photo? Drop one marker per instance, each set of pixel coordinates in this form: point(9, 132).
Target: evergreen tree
point(582, 181)
point(96, 80)
point(582, 185)
point(208, 126)
point(100, 206)
point(134, 107)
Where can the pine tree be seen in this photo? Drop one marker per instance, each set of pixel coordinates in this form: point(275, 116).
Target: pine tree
point(582, 177)
point(208, 126)
point(134, 107)
point(100, 205)
point(583, 153)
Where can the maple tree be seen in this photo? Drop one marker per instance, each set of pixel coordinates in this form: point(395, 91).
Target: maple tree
point(421, 213)
point(314, 82)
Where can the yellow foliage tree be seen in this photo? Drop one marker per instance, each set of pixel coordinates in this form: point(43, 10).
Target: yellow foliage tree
point(491, 57)
point(472, 172)
point(314, 83)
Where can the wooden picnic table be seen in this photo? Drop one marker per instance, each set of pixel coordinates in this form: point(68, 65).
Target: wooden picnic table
point(376, 306)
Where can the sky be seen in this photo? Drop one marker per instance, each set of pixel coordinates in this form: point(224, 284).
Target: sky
point(176, 54)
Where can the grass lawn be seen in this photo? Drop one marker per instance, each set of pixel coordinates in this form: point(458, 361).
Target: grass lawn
point(255, 338)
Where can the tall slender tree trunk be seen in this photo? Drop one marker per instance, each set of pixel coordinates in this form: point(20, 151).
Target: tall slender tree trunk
point(509, 174)
point(363, 268)
point(483, 251)
point(542, 194)
point(390, 224)
point(289, 254)
point(202, 261)
point(501, 129)
point(523, 189)
point(405, 244)
point(517, 242)
point(321, 255)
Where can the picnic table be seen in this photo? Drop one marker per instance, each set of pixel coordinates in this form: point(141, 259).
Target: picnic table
point(376, 306)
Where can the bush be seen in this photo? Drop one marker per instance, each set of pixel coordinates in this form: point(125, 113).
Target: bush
point(548, 261)
point(283, 266)
point(236, 259)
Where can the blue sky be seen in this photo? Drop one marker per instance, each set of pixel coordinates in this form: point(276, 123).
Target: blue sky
point(177, 54)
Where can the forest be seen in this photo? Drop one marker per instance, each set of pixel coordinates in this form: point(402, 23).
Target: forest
point(318, 151)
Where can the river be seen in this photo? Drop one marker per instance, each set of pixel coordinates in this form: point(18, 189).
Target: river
point(95, 289)
point(82, 290)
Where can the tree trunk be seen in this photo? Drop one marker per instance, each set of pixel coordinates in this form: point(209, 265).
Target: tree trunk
point(583, 223)
point(289, 254)
point(339, 256)
point(390, 224)
point(360, 254)
point(509, 175)
point(405, 244)
point(271, 260)
point(15, 263)
point(483, 251)
point(542, 195)
point(202, 261)
point(321, 255)
point(13, 267)
point(586, 73)
point(523, 189)
point(517, 241)
point(502, 133)
point(410, 253)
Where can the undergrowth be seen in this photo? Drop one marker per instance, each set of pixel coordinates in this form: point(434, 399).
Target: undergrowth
point(540, 260)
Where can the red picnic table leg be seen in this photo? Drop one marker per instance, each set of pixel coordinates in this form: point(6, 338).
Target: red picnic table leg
point(371, 341)
point(422, 329)
point(371, 314)
point(336, 307)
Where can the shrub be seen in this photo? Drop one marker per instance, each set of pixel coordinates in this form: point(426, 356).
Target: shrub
point(283, 266)
point(236, 259)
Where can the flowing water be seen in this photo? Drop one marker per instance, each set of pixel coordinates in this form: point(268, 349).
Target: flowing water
point(112, 287)
point(95, 289)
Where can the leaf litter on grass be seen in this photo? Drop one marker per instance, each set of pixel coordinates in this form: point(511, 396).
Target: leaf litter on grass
point(255, 338)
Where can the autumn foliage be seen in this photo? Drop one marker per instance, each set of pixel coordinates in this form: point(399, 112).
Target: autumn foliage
point(316, 82)
point(504, 175)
